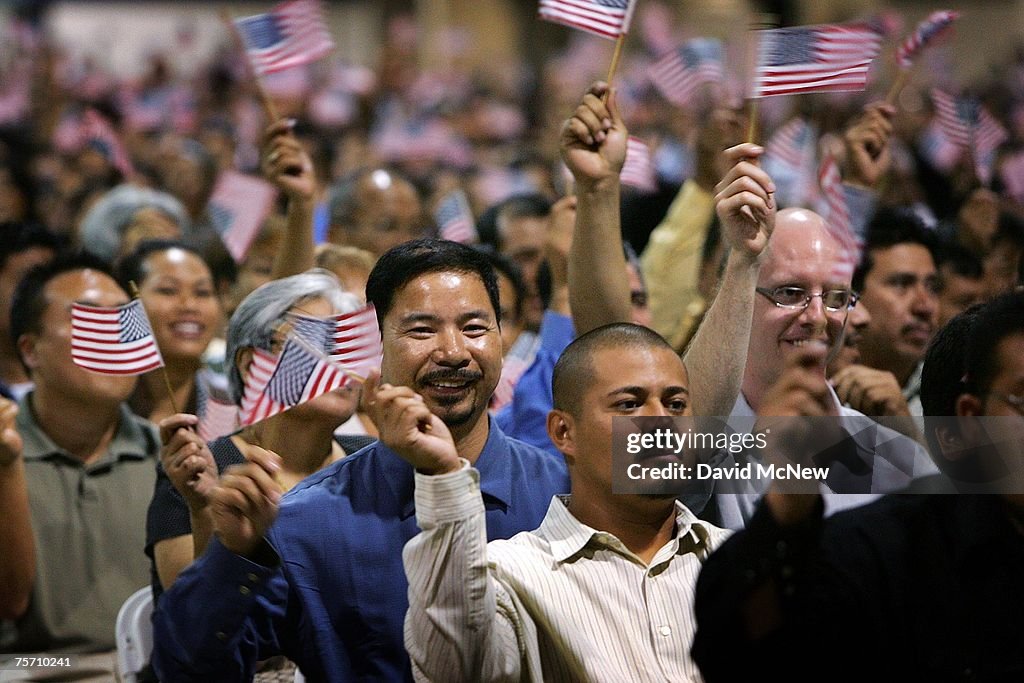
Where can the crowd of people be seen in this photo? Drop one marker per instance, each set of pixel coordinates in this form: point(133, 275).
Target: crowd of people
point(451, 516)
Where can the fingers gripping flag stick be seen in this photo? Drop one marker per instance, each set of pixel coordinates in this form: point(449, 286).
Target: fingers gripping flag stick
point(113, 341)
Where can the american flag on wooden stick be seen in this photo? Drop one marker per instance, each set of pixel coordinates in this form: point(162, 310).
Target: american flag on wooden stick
point(679, 74)
point(349, 340)
point(237, 207)
point(605, 18)
point(113, 341)
point(454, 219)
point(276, 383)
point(935, 24)
point(968, 125)
point(291, 34)
point(638, 170)
point(803, 59)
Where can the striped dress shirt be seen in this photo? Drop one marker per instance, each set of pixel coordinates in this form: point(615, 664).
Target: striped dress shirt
point(562, 603)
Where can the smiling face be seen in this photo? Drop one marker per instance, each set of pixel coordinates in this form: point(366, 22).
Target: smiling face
point(441, 339)
point(802, 253)
point(181, 302)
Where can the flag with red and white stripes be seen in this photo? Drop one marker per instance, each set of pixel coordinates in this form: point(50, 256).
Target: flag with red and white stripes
point(349, 340)
point(113, 341)
point(605, 18)
point(276, 383)
point(237, 207)
point(96, 130)
point(934, 25)
point(968, 125)
point(218, 416)
point(638, 169)
point(837, 218)
point(454, 219)
point(291, 34)
point(679, 74)
point(793, 143)
point(804, 59)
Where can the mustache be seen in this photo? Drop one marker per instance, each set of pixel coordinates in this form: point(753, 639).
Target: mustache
point(464, 375)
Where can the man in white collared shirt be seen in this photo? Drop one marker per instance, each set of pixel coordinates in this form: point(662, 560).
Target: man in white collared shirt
point(602, 590)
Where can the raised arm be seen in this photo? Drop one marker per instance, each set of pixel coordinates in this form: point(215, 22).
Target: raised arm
point(718, 353)
point(456, 628)
point(285, 163)
point(593, 144)
point(18, 559)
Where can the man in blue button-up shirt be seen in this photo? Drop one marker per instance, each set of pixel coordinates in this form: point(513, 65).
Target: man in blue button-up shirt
point(319, 578)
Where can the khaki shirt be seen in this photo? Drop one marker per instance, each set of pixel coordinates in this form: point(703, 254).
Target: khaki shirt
point(89, 523)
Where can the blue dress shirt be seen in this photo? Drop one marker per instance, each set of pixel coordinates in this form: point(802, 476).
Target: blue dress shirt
point(526, 417)
point(331, 593)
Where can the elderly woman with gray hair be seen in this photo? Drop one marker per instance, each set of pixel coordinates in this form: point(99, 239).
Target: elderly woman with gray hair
point(178, 525)
point(128, 215)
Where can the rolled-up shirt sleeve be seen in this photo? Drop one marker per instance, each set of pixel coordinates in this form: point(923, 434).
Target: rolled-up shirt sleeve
point(462, 624)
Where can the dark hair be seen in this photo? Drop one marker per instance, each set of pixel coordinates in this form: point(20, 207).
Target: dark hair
point(1010, 229)
point(16, 238)
point(942, 375)
point(961, 260)
point(997, 320)
point(29, 304)
point(891, 226)
point(570, 378)
point(401, 264)
point(509, 268)
point(131, 267)
point(531, 205)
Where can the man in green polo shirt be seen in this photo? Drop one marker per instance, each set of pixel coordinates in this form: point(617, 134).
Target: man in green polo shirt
point(87, 467)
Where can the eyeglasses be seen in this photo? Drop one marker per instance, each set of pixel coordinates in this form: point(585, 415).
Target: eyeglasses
point(797, 297)
point(1015, 402)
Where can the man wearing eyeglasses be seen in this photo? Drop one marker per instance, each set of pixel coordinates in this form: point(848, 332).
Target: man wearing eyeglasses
point(802, 300)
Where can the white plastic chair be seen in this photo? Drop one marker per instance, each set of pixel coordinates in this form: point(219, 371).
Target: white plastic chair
point(134, 634)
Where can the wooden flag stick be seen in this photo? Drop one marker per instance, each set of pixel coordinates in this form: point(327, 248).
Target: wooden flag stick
point(897, 86)
point(615, 59)
point(763, 21)
point(261, 92)
point(163, 365)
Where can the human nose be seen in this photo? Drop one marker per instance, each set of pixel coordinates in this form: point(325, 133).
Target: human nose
point(451, 348)
point(925, 302)
point(814, 311)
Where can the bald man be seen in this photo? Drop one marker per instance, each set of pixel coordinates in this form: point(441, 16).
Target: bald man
point(803, 297)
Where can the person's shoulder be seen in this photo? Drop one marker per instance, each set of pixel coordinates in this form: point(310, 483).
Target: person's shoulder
point(531, 456)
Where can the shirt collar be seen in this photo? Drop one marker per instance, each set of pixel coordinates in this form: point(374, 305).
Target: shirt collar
point(566, 536)
point(131, 440)
point(913, 386)
point(494, 465)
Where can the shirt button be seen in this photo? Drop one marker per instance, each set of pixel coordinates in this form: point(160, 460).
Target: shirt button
point(221, 635)
point(244, 590)
point(252, 578)
point(665, 631)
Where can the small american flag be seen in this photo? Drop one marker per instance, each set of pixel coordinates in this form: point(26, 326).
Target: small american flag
point(932, 26)
point(940, 152)
point(678, 74)
point(113, 341)
point(638, 171)
point(967, 124)
point(803, 59)
point(793, 143)
point(95, 129)
point(838, 218)
point(455, 219)
point(218, 416)
point(275, 384)
point(349, 340)
point(290, 35)
point(237, 207)
point(605, 18)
